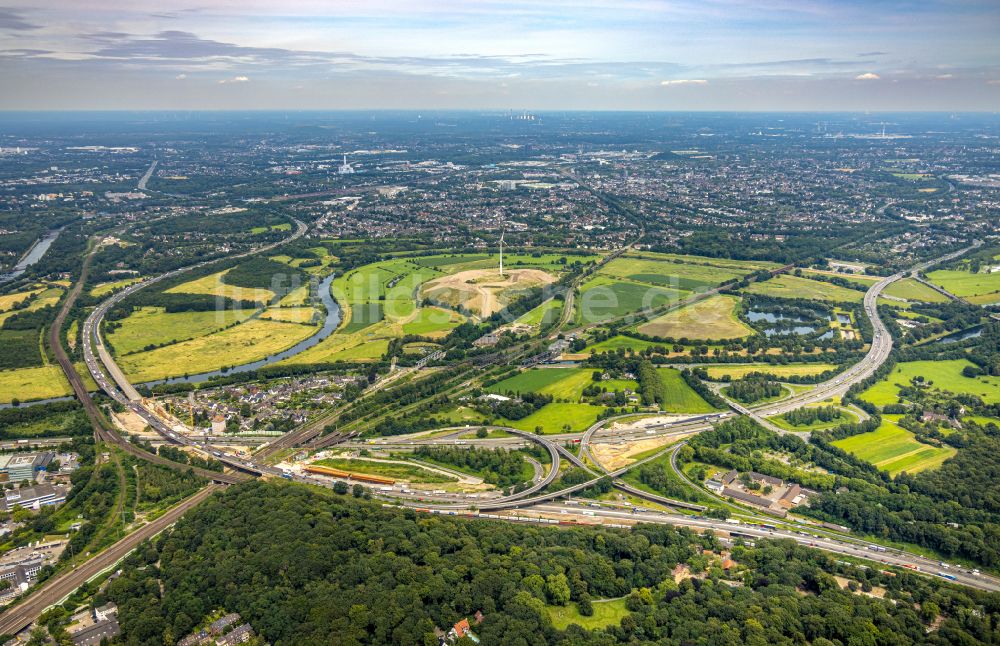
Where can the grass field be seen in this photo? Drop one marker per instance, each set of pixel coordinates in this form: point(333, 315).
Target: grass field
point(345, 347)
point(945, 375)
point(785, 286)
point(362, 315)
point(408, 472)
point(456, 263)
point(365, 352)
point(862, 280)
point(380, 302)
point(981, 289)
point(894, 449)
point(740, 369)
point(914, 290)
point(103, 289)
point(679, 396)
point(606, 613)
point(671, 274)
point(213, 285)
point(433, 322)
point(556, 417)
point(289, 314)
point(460, 415)
point(26, 384)
point(745, 266)
point(8, 301)
point(982, 421)
point(249, 341)
point(603, 298)
point(846, 416)
point(622, 343)
point(284, 226)
point(561, 383)
point(711, 318)
point(73, 333)
point(297, 297)
point(153, 326)
point(42, 382)
point(39, 298)
point(547, 312)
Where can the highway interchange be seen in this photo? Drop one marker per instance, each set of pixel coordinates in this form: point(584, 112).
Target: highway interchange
point(877, 354)
point(112, 381)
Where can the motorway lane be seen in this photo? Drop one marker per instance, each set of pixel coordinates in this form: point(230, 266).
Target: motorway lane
point(118, 387)
point(877, 354)
point(889, 557)
point(54, 590)
point(145, 178)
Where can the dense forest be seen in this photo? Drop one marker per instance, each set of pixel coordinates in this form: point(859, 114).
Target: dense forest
point(498, 467)
point(754, 387)
point(315, 568)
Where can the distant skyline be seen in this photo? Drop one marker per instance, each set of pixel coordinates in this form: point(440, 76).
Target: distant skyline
point(545, 55)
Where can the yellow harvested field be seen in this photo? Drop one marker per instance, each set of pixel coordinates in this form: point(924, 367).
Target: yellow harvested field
point(738, 370)
point(296, 297)
point(250, 341)
point(10, 300)
point(26, 384)
point(711, 318)
point(289, 314)
point(213, 285)
point(102, 289)
point(42, 382)
point(483, 291)
point(343, 346)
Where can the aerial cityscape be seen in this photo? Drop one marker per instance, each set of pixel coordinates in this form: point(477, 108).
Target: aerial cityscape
point(456, 324)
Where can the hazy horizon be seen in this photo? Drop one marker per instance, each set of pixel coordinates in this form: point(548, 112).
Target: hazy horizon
point(636, 55)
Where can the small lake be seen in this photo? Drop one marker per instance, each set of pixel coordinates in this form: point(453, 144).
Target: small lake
point(962, 335)
point(786, 323)
point(772, 317)
point(329, 325)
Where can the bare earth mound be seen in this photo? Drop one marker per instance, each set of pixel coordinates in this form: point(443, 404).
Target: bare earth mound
point(483, 291)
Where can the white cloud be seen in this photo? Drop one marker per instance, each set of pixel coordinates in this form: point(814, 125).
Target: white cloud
point(181, 77)
point(684, 82)
point(236, 79)
point(944, 77)
point(867, 76)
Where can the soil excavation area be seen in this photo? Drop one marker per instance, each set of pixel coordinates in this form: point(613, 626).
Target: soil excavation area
point(482, 291)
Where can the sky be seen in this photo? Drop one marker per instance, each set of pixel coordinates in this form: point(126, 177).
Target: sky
point(542, 55)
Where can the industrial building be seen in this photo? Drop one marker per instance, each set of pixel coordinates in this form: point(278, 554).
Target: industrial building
point(18, 467)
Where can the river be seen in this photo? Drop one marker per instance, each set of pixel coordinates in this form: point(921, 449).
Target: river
point(34, 254)
point(329, 325)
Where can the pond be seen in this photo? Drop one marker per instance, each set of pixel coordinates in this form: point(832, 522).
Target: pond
point(785, 324)
point(962, 335)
